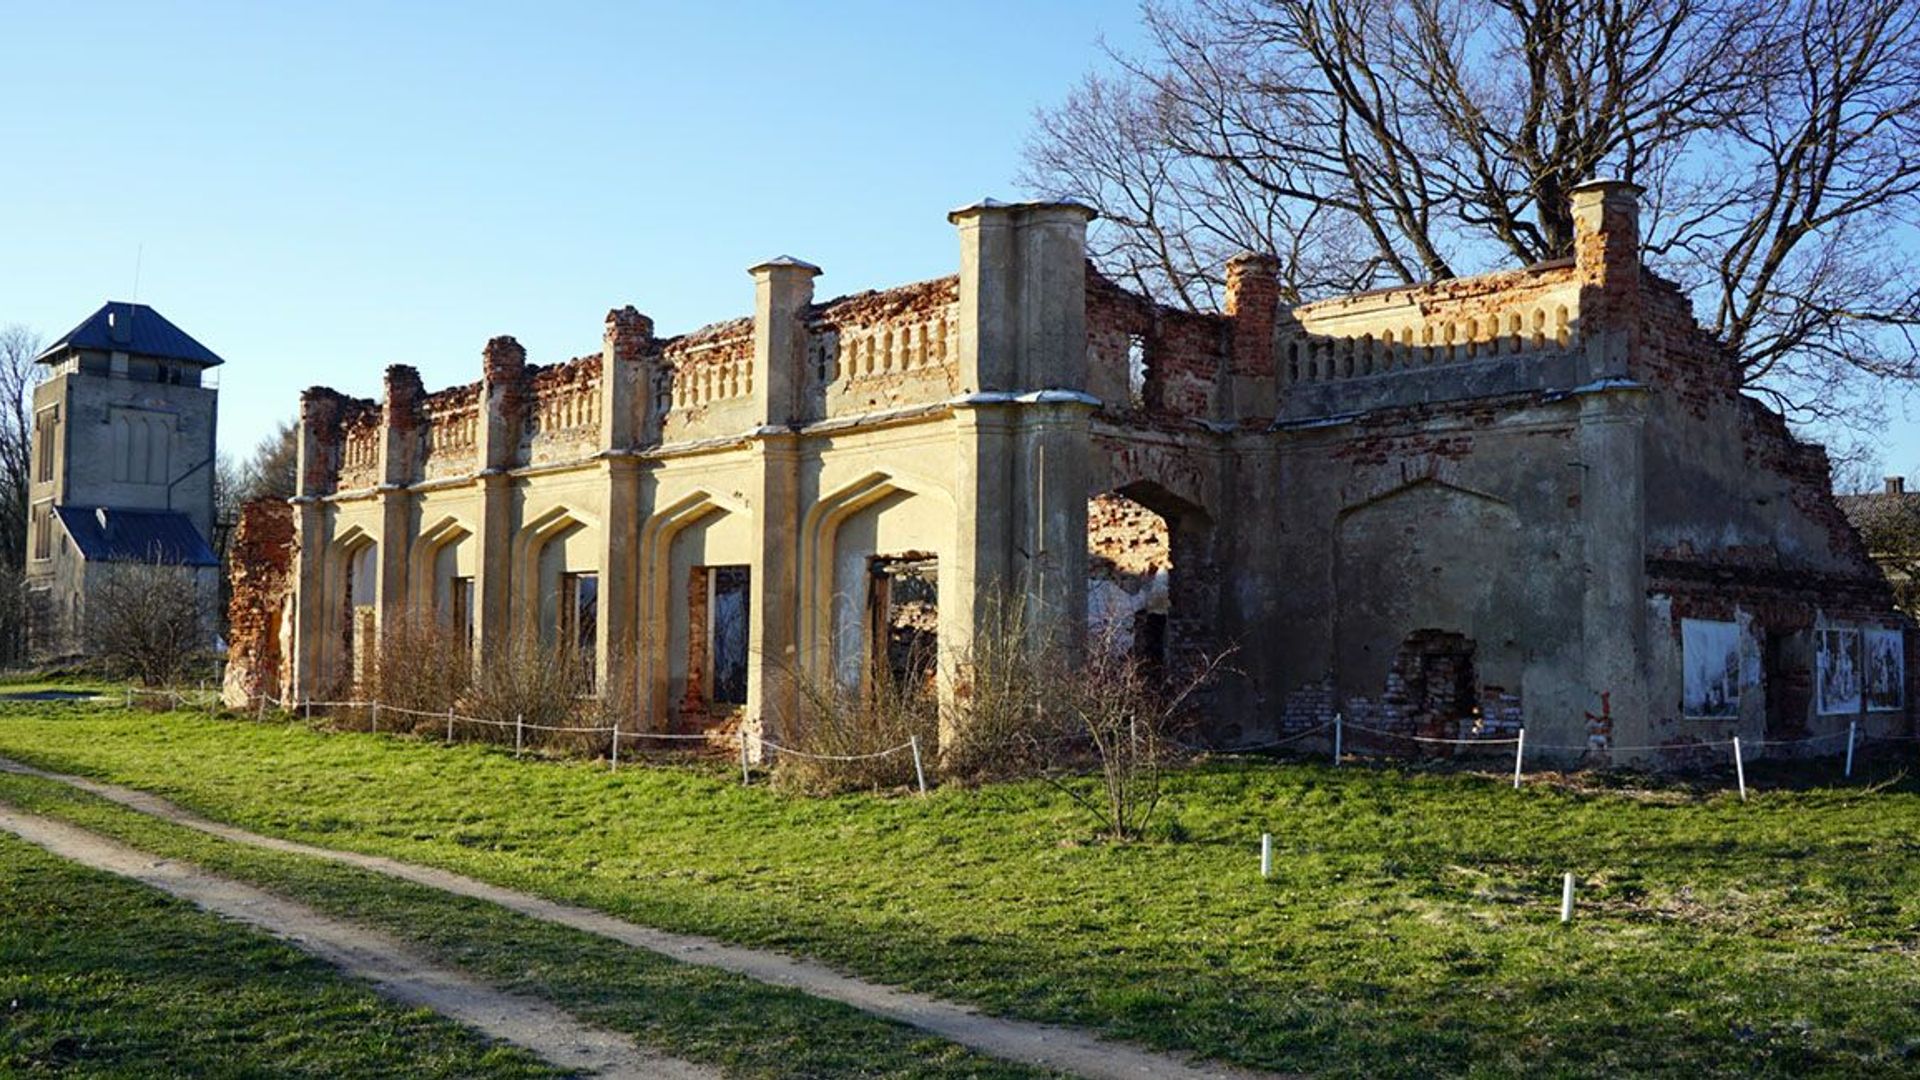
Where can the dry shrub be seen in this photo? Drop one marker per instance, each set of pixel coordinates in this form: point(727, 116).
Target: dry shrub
point(1003, 682)
point(542, 684)
point(423, 667)
point(838, 722)
point(151, 621)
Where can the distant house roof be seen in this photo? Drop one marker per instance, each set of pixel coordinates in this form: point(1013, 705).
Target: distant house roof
point(132, 328)
point(104, 534)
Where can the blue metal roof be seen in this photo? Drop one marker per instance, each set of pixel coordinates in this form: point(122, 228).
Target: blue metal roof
point(105, 534)
point(135, 329)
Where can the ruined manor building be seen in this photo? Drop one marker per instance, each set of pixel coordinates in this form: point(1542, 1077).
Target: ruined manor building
point(1534, 497)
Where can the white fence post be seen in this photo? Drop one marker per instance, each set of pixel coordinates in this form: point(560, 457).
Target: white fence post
point(308, 706)
point(613, 763)
point(1337, 733)
point(919, 773)
point(1519, 754)
point(1266, 854)
point(1566, 898)
point(449, 725)
point(745, 776)
point(1851, 725)
point(519, 733)
point(1739, 769)
point(374, 724)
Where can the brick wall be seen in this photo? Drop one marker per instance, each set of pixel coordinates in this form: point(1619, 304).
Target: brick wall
point(262, 550)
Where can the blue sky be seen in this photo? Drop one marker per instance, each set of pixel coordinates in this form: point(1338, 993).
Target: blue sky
point(317, 191)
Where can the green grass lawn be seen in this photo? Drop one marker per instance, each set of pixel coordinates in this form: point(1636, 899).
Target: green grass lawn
point(1411, 926)
point(102, 977)
point(697, 1013)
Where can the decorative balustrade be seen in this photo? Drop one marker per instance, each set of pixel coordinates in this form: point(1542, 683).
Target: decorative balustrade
point(360, 452)
point(852, 353)
point(452, 439)
point(710, 371)
point(566, 409)
point(1403, 332)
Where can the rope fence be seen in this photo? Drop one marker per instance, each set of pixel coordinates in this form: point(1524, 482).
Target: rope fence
point(211, 699)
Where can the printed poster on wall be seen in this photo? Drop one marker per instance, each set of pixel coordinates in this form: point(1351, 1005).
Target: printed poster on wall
point(1886, 670)
point(1710, 653)
point(1839, 671)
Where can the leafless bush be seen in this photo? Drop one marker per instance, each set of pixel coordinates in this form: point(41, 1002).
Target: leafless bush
point(148, 621)
point(543, 685)
point(1002, 686)
point(1118, 714)
point(13, 616)
point(840, 728)
point(423, 666)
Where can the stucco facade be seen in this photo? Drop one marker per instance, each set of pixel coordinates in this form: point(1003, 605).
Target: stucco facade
point(1450, 510)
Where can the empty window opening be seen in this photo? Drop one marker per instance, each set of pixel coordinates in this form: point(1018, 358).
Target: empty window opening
point(726, 634)
point(903, 620)
point(460, 609)
point(1137, 370)
point(580, 623)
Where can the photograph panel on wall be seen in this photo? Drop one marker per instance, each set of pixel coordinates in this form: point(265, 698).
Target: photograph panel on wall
point(1838, 675)
point(1710, 655)
point(1885, 660)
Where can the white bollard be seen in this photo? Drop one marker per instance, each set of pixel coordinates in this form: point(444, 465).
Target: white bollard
point(919, 773)
point(1336, 738)
point(1566, 898)
point(1519, 754)
point(745, 776)
point(1266, 855)
point(1739, 769)
point(519, 733)
point(1851, 726)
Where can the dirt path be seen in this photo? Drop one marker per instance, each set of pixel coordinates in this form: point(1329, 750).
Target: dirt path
point(394, 972)
point(1044, 1045)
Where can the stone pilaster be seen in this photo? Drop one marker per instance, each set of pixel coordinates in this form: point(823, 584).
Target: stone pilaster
point(503, 399)
point(625, 382)
point(1022, 429)
point(783, 291)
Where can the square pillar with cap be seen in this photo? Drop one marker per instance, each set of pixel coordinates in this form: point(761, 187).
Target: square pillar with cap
point(783, 299)
point(1023, 429)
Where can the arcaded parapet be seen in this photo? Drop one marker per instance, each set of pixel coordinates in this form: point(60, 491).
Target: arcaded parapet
point(262, 585)
point(360, 438)
point(450, 438)
point(563, 414)
point(879, 350)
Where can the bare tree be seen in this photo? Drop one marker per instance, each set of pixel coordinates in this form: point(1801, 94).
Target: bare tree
point(1889, 526)
point(272, 470)
point(1371, 142)
point(150, 621)
point(18, 374)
